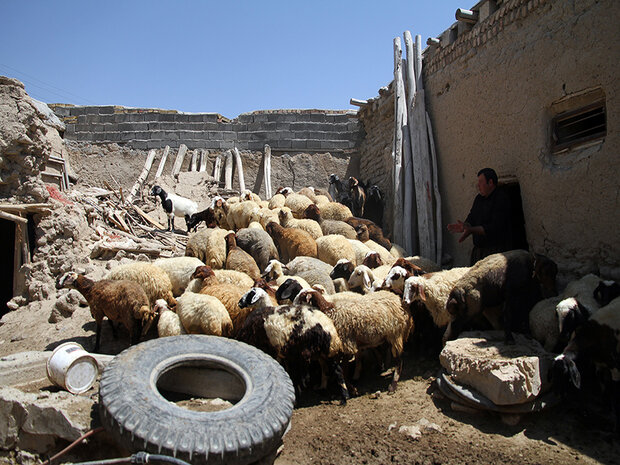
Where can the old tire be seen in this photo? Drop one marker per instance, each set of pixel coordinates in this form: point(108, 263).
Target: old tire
point(139, 417)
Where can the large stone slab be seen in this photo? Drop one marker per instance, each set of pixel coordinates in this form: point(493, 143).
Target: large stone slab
point(505, 374)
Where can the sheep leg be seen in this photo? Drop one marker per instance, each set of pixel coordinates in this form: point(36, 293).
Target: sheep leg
point(170, 222)
point(508, 317)
point(358, 368)
point(397, 371)
point(336, 370)
point(114, 331)
point(136, 332)
point(97, 337)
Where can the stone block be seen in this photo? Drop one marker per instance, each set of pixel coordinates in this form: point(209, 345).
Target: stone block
point(107, 110)
point(505, 374)
point(140, 144)
point(298, 144)
point(261, 118)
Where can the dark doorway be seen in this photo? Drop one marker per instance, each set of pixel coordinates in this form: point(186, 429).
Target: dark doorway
point(519, 239)
point(7, 256)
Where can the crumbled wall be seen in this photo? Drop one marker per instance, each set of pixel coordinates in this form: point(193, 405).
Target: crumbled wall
point(25, 144)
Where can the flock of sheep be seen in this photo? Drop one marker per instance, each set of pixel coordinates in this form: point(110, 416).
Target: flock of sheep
point(309, 279)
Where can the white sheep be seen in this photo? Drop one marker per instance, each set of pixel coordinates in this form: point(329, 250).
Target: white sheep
point(235, 277)
point(333, 247)
point(310, 226)
point(335, 211)
point(365, 321)
point(175, 205)
point(169, 323)
point(297, 203)
point(209, 246)
point(153, 280)
point(179, 270)
point(203, 314)
point(544, 323)
point(364, 280)
point(361, 250)
point(277, 201)
point(275, 272)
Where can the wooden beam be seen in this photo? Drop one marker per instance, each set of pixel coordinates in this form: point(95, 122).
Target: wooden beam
point(162, 162)
point(192, 165)
point(217, 167)
point(143, 175)
point(397, 148)
point(203, 161)
point(267, 171)
point(228, 170)
point(239, 169)
point(148, 218)
point(438, 219)
point(178, 162)
point(14, 218)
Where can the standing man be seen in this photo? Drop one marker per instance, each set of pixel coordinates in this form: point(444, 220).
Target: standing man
point(489, 220)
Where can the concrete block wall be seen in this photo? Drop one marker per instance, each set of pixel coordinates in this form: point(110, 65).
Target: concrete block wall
point(283, 130)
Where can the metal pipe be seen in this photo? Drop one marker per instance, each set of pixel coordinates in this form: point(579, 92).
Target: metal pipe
point(467, 16)
point(433, 42)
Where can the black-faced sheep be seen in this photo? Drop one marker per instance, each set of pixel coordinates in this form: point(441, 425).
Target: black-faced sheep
point(287, 291)
point(510, 279)
point(119, 300)
point(207, 215)
point(597, 341)
point(175, 205)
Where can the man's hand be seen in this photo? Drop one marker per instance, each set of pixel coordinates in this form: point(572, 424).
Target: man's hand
point(457, 227)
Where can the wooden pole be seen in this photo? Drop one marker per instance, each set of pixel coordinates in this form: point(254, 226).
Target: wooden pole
point(143, 175)
point(162, 162)
point(438, 219)
point(192, 166)
point(239, 169)
point(178, 162)
point(267, 171)
point(228, 170)
point(203, 161)
point(410, 212)
point(397, 149)
point(217, 167)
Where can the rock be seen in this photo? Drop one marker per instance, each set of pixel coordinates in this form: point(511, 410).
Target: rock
point(66, 305)
point(505, 374)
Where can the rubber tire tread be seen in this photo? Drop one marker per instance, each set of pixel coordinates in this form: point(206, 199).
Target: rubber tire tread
point(140, 418)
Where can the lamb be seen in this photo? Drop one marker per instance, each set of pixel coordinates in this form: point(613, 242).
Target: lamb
point(203, 314)
point(207, 215)
point(292, 242)
point(512, 279)
point(168, 323)
point(544, 323)
point(363, 280)
point(153, 280)
point(209, 246)
point(373, 207)
point(259, 244)
point(179, 270)
point(118, 300)
point(375, 232)
point(401, 270)
point(333, 247)
point(296, 335)
point(238, 278)
point(175, 205)
point(597, 340)
point(329, 226)
point(238, 259)
point(365, 321)
point(310, 226)
point(358, 196)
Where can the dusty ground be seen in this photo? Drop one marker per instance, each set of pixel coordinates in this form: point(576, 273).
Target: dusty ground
point(369, 429)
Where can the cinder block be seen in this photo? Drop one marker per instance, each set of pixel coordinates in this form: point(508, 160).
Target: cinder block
point(167, 117)
point(244, 135)
point(171, 135)
point(226, 144)
point(139, 144)
point(181, 118)
point(317, 117)
point(261, 118)
point(298, 144)
point(91, 119)
point(313, 144)
point(245, 118)
point(107, 110)
point(154, 144)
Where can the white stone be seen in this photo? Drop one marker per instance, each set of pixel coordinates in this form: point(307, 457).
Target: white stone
point(505, 374)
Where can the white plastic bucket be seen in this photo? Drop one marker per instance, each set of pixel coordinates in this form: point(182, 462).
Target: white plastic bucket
point(72, 368)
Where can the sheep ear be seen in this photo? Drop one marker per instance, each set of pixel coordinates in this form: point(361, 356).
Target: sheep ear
point(422, 294)
point(255, 298)
point(573, 371)
point(367, 282)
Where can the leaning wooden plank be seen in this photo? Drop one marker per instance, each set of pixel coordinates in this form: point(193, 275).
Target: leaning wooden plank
point(228, 170)
point(143, 175)
point(397, 148)
point(149, 220)
point(438, 219)
point(267, 171)
point(162, 162)
point(192, 165)
point(178, 162)
point(239, 169)
point(25, 207)
point(203, 161)
point(217, 167)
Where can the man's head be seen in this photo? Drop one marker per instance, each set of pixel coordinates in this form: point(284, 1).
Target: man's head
point(487, 181)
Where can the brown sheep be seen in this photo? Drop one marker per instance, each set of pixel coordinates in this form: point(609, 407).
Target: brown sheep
point(119, 300)
point(238, 259)
point(374, 231)
point(292, 242)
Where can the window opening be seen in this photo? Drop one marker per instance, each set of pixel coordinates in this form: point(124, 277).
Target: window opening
point(578, 126)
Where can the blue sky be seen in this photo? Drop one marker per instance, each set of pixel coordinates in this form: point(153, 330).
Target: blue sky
point(228, 57)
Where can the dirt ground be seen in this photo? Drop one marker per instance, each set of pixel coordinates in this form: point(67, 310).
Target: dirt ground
point(373, 427)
